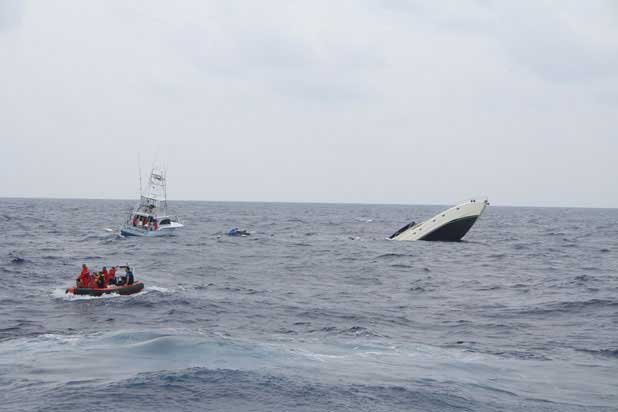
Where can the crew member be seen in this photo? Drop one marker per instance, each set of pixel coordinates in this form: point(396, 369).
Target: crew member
point(127, 278)
point(92, 280)
point(84, 277)
point(128, 275)
point(99, 281)
point(111, 277)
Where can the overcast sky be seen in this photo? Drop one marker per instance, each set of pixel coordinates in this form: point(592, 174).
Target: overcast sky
point(389, 101)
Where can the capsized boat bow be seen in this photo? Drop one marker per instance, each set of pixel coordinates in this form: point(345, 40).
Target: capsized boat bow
point(450, 225)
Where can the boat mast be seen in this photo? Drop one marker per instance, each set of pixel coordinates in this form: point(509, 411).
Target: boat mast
point(165, 190)
point(139, 169)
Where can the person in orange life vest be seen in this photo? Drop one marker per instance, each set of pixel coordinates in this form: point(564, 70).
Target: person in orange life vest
point(84, 277)
point(105, 276)
point(99, 280)
point(155, 225)
point(91, 282)
point(135, 220)
point(110, 279)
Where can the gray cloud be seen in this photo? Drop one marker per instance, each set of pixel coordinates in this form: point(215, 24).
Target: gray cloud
point(569, 42)
point(370, 101)
point(10, 14)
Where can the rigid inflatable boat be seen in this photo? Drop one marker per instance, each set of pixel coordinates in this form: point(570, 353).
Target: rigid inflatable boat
point(121, 290)
point(449, 226)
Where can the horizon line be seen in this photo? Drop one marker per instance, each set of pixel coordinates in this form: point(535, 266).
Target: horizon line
point(303, 202)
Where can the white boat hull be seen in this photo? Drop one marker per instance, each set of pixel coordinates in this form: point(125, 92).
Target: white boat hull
point(450, 225)
point(163, 230)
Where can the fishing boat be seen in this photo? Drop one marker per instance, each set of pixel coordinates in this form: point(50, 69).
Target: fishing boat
point(450, 225)
point(150, 216)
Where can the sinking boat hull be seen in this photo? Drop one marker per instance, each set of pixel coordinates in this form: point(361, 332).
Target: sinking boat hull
point(450, 225)
point(120, 290)
point(453, 231)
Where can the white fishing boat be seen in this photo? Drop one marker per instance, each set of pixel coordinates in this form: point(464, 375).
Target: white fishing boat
point(150, 217)
point(450, 225)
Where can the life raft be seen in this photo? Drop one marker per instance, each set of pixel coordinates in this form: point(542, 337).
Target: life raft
point(121, 290)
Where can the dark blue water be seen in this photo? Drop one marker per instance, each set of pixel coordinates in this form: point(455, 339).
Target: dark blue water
point(313, 312)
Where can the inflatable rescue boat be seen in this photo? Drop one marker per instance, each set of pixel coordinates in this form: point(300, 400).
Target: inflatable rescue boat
point(121, 290)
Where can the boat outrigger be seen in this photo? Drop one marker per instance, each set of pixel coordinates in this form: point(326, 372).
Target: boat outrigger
point(150, 217)
point(450, 225)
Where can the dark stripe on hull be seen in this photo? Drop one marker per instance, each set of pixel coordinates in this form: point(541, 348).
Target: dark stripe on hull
point(122, 290)
point(124, 233)
point(452, 231)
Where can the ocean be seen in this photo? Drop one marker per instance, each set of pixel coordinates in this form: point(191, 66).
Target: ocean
point(315, 311)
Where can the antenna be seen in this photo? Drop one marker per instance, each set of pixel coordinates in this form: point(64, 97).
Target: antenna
point(165, 190)
point(139, 168)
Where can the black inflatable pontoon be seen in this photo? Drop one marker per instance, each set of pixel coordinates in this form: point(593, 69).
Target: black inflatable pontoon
point(121, 290)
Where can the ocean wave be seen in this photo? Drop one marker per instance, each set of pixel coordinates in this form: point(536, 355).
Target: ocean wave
point(605, 353)
point(51, 257)
point(584, 278)
point(94, 237)
point(391, 256)
point(223, 389)
point(159, 289)
point(401, 266)
point(357, 331)
point(18, 260)
point(296, 220)
point(567, 307)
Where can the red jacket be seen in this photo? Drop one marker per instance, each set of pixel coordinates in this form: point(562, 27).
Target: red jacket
point(109, 275)
point(84, 277)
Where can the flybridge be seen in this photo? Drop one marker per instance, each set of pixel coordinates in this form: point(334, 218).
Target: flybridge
point(450, 225)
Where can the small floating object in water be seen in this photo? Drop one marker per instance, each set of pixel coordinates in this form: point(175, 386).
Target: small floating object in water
point(238, 232)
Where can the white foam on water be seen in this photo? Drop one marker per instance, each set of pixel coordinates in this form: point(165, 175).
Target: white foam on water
point(60, 293)
point(157, 289)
